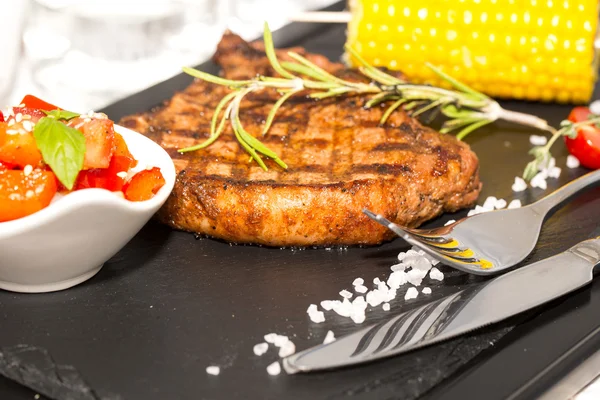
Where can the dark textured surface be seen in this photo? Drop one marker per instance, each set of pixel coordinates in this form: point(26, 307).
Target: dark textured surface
point(169, 305)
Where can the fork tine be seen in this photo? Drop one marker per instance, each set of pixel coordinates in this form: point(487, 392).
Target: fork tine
point(443, 255)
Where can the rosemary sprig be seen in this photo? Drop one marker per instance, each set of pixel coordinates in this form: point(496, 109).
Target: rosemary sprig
point(465, 108)
point(542, 154)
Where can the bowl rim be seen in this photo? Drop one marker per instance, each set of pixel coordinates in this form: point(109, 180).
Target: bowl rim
point(91, 197)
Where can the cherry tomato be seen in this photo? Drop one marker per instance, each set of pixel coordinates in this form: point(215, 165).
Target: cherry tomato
point(586, 146)
point(31, 101)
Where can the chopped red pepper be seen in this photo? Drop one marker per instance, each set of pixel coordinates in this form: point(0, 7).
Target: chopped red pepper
point(31, 101)
point(144, 185)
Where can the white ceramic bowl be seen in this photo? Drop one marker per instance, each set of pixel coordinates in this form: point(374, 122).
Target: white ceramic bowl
point(68, 242)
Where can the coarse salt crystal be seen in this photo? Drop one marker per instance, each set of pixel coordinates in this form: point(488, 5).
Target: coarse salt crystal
point(397, 279)
point(344, 308)
point(539, 181)
point(449, 222)
point(280, 340)
point(345, 294)
point(27, 125)
point(27, 170)
point(519, 184)
point(500, 204)
point(270, 337)
point(376, 281)
point(572, 161)
point(122, 174)
point(595, 107)
point(489, 203)
point(274, 368)
point(374, 298)
point(415, 276)
point(426, 290)
point(436, 274)
point(386, 306)
point(312, 308)
point(329, 337)
point(516, 203)
point(411, 293)
point(538, 140)
point(18, 117)
point(260, 349)
point(213, 370)
point(287, 349)
point(358, 317)
point(317, 317)
point(398, 267)
point(554, 172)
point(358, 282)
point(360, 289)
point(327, 305)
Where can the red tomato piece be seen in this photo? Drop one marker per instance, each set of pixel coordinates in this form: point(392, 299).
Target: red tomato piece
point(1, 117)
point(31, 101)
point(144, 185)
point(6, 166)
point(104, 178)
point(586, 146)
point(122, 150)
point(22, 195)
point(99, 138)
point(18, 147)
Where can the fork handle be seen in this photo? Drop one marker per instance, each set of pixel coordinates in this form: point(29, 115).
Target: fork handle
point(564, 193)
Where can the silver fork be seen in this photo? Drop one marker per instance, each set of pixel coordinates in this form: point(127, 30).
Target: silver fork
point(488, 243)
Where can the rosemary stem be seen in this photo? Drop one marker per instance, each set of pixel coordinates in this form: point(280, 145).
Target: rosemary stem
point(497, 112)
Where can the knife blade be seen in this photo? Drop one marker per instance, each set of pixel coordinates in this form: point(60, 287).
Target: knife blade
point(469, 309)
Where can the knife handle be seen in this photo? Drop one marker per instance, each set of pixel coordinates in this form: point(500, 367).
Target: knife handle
point(565, 192)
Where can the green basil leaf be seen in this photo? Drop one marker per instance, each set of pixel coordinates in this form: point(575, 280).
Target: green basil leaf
point(61, 114)
point(62, 148)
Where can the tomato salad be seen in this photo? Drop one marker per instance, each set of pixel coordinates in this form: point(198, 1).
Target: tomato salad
point(45, 150)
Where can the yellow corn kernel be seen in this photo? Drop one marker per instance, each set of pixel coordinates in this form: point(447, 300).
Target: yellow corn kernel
point(524, 49)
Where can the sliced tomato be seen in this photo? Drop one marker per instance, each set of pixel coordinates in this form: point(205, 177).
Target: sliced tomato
point(122, 150)
point(18, 148)
point(30, 101)
point(33, 114)
point(144, 185)
point(1, 117)
point(99, 141)
point(586, 146)
point(104, 178)
point(22, 195)
point(6, 166)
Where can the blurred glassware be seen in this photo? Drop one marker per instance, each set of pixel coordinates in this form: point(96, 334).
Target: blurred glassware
point(87, 53)
point(11, 30)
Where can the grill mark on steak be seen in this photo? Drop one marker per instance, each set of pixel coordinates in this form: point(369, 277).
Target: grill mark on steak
point(340, 161)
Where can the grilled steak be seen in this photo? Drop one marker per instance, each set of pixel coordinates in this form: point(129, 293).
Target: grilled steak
point(339, 161)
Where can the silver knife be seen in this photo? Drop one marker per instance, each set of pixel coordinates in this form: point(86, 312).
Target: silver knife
point(462, 312)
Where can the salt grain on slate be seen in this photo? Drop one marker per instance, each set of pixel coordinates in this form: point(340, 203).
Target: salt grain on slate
point(539, 181)
point(213, 370)
point(514, 204)
point(287, 349)
point(274, 368)
point(330, 337)
point(538, 140)
point(386, 307)
point(360, 289)
point(260, 349)
point(436, 274)
point(572, 161)
point(519, 184)
point(411, 293)
point(426, 290)
point(346, 294)
point(358, 282)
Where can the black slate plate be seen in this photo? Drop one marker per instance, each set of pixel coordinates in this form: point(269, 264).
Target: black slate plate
point(168, 305)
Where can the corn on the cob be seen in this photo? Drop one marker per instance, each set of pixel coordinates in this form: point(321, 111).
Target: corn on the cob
point(523, 49)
